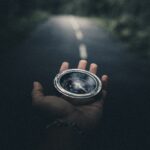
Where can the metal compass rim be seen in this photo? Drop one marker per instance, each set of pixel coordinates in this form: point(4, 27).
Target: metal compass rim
point(73, 95)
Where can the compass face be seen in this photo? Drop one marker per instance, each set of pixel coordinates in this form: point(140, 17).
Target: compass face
point(77, 83)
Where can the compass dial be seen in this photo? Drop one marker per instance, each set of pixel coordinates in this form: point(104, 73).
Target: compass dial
point(77, 83)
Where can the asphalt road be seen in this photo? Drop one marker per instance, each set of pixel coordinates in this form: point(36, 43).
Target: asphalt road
point(68, 38)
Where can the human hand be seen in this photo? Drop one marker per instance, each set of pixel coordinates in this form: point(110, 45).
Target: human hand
point(85, 116)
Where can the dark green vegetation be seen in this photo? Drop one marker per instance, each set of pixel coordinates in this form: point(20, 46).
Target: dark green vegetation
point(17, 19)
point(128, 19)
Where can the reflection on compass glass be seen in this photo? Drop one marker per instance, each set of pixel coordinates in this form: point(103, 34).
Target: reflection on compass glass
point(78, 83)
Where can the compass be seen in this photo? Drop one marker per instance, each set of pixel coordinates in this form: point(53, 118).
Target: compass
point(78, 84)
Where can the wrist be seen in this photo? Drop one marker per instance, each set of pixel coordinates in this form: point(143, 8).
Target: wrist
point(63, 137)
point(77, 128)
point(67, 124)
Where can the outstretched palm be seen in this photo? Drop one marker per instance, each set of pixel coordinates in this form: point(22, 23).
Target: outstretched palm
point(85, 116)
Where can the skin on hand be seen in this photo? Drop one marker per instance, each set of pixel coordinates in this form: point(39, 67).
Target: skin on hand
point(85, 116)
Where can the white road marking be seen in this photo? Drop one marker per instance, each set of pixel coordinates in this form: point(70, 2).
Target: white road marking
point(76, 28)
point(83, 51)
point(79, 36)
point(74, 24)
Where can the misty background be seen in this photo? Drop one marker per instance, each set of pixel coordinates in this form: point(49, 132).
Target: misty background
point(127, 19)
point(36, 36)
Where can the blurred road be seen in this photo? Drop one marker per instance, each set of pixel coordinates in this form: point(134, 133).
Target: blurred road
point(68, 38)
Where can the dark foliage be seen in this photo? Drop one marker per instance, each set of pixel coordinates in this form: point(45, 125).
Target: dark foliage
point(132, 17)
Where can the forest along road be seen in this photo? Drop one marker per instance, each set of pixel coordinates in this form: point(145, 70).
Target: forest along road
point(70, 38)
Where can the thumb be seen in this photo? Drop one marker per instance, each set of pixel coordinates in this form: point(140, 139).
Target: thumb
point(37, 92)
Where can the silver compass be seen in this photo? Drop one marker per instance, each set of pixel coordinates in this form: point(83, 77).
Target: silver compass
point(78, 84)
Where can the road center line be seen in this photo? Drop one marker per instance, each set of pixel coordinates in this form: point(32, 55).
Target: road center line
point(76, 28)
point(74, 24)
point(83, 51)
point(79, 36)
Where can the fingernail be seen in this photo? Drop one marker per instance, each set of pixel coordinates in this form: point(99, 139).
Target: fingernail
point(105, 77)
point(94, 65)
point(35, 84)
point(65, 63)
point(83, 61)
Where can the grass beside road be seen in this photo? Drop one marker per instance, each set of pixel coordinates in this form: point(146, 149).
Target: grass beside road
point(17, 29)
point(135, 34)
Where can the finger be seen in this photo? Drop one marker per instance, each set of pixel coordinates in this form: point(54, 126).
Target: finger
point(82, 64)
point(64, 66)
point(93, 68)
point(104, 94)
point(104, 80)
point(37, 92)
